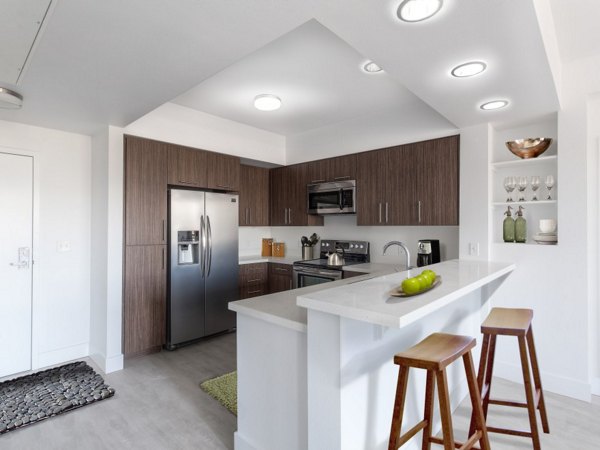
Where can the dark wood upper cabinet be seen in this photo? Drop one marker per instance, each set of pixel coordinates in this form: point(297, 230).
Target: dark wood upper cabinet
point(144, 298)
point(371, 180)
point(145, 191)
point(343, 168)
point(438, 182)
point(412, 184)
point(254, 196)
point(187, 166)
point(332, 169)
point(288, 197)
point(223, 172)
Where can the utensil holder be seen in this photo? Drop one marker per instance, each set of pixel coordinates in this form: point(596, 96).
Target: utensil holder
point(307, 253)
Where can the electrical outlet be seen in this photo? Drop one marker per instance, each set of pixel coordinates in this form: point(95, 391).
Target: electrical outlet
point(474, 248)
point(63, 246)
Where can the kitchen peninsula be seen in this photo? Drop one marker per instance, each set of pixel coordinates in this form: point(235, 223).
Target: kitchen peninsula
point(315, 365)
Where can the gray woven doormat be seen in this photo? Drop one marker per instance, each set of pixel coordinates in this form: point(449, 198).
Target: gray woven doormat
point(32, 398)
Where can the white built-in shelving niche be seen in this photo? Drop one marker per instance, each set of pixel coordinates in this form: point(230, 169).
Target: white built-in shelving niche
point(505, 164)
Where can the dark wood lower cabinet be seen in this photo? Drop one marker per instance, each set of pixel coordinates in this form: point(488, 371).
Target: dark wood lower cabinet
point(351, 274)
point(254, 280)
point(144, 302)
point(280, 277)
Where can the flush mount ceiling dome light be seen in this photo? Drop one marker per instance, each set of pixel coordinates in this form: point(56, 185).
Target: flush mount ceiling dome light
point(371, 67)
point(418, 10)
point(267, 102)
point(469, 69)
point(10, 99)
point(494, 104)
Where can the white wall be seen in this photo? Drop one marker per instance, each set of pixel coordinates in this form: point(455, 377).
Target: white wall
point(185, 126)
point(344, 227)
point(371, 131)
point(61, 304)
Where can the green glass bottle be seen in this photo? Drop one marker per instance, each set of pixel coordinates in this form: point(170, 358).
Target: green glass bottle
point(508, 227)
point(520, 227)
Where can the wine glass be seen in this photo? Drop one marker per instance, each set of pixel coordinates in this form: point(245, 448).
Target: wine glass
point(535, 185)
point(509, 185)
point(522, 185)
point(549, 185)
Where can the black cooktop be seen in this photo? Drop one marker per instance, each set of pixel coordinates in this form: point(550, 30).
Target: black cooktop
point(322, 263)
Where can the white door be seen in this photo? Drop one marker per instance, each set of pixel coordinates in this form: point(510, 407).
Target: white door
point(16, 230)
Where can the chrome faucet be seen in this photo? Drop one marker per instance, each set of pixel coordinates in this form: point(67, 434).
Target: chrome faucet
point(403, 246)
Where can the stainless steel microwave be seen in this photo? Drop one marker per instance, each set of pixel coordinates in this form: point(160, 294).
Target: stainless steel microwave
point(332, 198)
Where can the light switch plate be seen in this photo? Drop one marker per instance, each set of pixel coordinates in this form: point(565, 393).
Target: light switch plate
point(474, 248)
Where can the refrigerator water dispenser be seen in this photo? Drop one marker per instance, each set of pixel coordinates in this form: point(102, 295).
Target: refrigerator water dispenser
point(187, 247)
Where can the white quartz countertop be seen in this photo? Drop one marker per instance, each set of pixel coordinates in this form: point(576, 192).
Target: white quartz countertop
point(281, 308)
point(369, 300)
point(288, 259)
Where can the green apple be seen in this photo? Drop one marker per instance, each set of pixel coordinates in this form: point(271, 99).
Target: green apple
point(411, 286)
point(429, 274)
point(424, 281)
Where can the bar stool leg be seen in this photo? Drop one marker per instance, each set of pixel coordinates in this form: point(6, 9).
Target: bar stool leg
point(476, 403)
point(398, 407)
point(445, 411)
point(489, 372)
point(537, 380)
point(529, 393)
point(428, 413)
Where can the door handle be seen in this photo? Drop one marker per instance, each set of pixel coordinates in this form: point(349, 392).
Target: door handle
point(386, 212)
point(23, 261)
point(202, 246)
point(209, 241)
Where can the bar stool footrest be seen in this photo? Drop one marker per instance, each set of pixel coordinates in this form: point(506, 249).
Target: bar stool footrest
point(460, 446)
point(403, 439)
point(509, 432)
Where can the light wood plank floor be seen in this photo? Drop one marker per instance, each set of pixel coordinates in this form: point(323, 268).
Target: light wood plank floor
point(159, 405)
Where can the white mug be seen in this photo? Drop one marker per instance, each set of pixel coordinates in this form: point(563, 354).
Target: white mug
point(548, 225)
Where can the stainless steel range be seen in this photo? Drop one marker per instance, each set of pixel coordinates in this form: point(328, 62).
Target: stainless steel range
point(317, 271)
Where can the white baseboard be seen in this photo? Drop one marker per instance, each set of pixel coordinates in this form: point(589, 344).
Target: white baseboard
point(62, 355)
point(240, 443)
point(108, 365)
point(551, 383)
point(596, 386)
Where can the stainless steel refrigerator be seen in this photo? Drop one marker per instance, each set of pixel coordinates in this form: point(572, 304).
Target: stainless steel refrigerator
point(203, 264)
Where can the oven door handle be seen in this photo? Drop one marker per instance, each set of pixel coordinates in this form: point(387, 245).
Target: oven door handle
point(341, 199)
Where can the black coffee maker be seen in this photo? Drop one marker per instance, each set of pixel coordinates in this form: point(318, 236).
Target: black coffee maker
point(428, 252)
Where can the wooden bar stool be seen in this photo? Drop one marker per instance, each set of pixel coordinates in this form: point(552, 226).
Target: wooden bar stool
point(512, 322)
point(434, 354)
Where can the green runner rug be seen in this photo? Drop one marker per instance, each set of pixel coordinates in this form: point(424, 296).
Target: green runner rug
point(224, 390)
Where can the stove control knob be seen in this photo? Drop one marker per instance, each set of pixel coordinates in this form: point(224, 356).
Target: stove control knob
point(351, 245)
point(362, 246)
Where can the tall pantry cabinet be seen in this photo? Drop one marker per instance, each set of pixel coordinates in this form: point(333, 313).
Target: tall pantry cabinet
point(145, 255)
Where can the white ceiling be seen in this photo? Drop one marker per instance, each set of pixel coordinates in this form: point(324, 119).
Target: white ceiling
point(317, 76)
point(111, 62)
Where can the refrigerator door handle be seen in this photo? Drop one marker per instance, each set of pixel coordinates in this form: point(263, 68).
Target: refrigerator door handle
point(202, 245)
point(209, 246)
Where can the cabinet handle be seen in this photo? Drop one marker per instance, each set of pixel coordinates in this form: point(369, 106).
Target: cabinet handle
point(347, 177)
point(163, 258)
point(279, 269)
point(379, 212)
point(255, 292)
point(290, 216)
point(386, 212)
point(419, 210)
point(163, 230)
point(253, 281)
point(226, 186)
point(317, 181)
point(285, 216)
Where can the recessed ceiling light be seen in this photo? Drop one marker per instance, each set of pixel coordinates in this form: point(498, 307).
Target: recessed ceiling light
point(494, 104)
point(469, 69)
point(267, 102)
point(10, 99)
point(418, 10)
point(371, 67)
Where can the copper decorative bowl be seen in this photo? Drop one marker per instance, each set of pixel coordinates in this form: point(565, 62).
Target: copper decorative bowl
point(530, 147)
